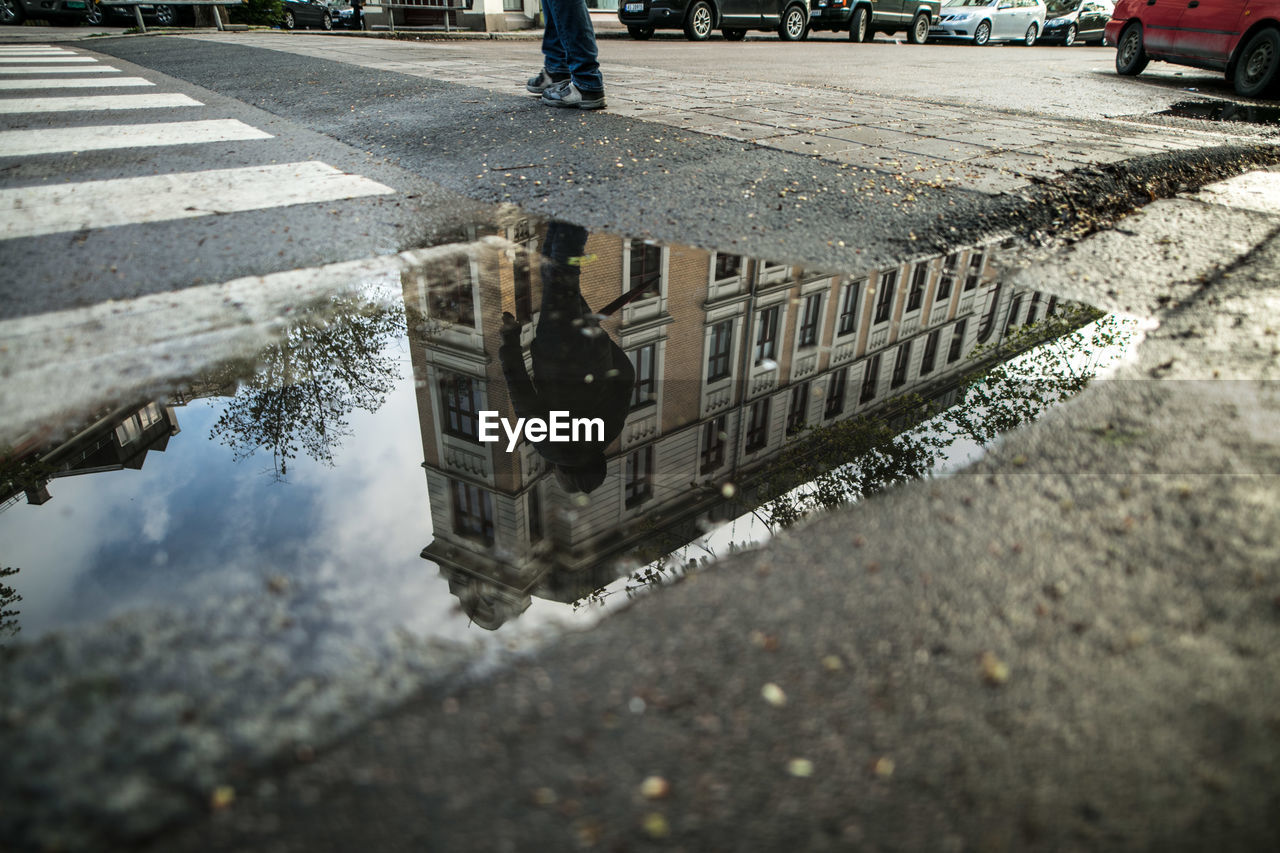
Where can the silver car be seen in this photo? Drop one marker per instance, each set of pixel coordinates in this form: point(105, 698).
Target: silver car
point(983, 21)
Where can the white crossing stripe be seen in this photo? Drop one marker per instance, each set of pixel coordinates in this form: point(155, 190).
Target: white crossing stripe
point(35, 51)
point(21, 143)
point(60, 60)
point(32, 211)
point(75, 69)
point(149, 101)
point(86, 83)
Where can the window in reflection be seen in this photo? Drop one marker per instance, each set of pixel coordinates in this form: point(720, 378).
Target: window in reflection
point(535, 515)
point(919, 278)
point(645, 390)
point(718, 358)
point(639, 477)
point(975, 271)
point(947, 277)
point(796, 412)
point(713, 441)
point(930, 352)
point(957, 342)
point(869, 380)
point(900, 363)
point(472, 512)
point(758, 426)
point(884, 298)
point(767, 335)
point(728, 266)
point(849, 307)
point(646, 267)
point(1012, 319)
point(460, 400)
point(835, 393)
point(809, 320)
point(453, 298)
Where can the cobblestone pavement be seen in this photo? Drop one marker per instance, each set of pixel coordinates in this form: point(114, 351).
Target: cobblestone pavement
point(987, 151)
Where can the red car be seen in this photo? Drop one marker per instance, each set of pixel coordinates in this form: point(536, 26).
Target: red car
point(1239, 37)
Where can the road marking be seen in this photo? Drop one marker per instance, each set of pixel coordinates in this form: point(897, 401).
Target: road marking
point(55, 140)
point(36, 51)
point(60, 60)
point(157, 100)
point(87, 83)
point(78, 69)
point(32, 211)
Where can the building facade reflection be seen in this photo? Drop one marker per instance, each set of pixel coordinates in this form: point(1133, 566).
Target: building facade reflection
point(734, 359)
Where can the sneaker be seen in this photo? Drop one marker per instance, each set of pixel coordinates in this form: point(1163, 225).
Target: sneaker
point(574, 98)
point(544, 81)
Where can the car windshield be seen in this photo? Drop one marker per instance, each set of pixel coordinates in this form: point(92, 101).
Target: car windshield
point(1061, 7)
point(970, 2)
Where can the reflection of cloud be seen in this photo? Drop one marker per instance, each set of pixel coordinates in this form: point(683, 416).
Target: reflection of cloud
point(155, 519)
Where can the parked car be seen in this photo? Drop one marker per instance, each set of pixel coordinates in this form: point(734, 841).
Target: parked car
point(862, 19)
point(306, 13)
point(1070, 21)
point(65, 13)
point(982, 21)
point(160, 14)
point(788, 18)
point(1239, 38)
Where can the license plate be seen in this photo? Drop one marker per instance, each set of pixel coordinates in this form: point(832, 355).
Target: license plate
point(634, 7)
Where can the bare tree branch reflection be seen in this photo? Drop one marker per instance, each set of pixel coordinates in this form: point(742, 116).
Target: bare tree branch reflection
point(305, 387)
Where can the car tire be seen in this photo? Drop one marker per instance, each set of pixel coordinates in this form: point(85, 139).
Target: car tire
point(1131, 58)
point(94, 16)
point(166, 16)
point(1029, 38)
point(734, 34)
point(1070, 38)
point(1257, 70)
point(289, 22)
point(326, 21)
point(698, 23)
point(982, 33)
point(640, 33)
point(795, 24)
point(12, 13)
point(860, 25)
point(919, 32)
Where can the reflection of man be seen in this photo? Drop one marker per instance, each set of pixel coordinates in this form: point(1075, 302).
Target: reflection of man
point(577, 367)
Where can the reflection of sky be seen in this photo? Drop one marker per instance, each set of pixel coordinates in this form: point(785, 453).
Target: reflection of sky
point(194, 525)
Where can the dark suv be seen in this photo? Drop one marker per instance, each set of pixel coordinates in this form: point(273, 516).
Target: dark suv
point(67, 13)
point(862, 19)
point(788, 18)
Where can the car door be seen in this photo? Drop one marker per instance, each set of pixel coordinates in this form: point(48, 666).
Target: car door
point(1159, 23)
point(1093, 17)
point(1004, 19)
point(746, 14)
point(886, 13)
point(1207, 29)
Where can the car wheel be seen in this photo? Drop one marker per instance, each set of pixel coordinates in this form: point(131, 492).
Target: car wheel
point(640, 33)
point(1256, 68)
point(94, 16)
point(326, 21)
point(1029, 38)
point(734, 34)
point(919, 32)
point(1130, 56)
point(794, 23)
point(289, 21)
point(1070, 38)
point(859, 29)
point(982, 34)
point(12, 13)
point(697, 26)
point(166, 16)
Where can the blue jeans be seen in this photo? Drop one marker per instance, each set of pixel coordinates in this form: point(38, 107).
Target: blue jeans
point(569, 43)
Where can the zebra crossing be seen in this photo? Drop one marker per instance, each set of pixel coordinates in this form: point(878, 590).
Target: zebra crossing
point(74, 206)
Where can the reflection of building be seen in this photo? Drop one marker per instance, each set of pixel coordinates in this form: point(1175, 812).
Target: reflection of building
point(734, 358)
point(118, 439)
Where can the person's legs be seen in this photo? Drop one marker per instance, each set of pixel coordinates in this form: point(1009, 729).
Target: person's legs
point(555, 59)
point(577, 39)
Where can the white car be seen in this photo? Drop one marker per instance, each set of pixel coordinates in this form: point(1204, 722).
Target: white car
point(983, 21)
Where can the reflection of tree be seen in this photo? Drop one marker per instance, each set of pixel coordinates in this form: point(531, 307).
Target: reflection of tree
point(307, 385)
point(851, 459)
point(9, 626)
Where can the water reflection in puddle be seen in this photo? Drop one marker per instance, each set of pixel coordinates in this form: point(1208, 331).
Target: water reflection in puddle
point(1224, 111)
point(734, 395)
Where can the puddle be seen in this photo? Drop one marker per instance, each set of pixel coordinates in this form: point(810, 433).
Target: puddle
point(343, 466)
point(1224, 111)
